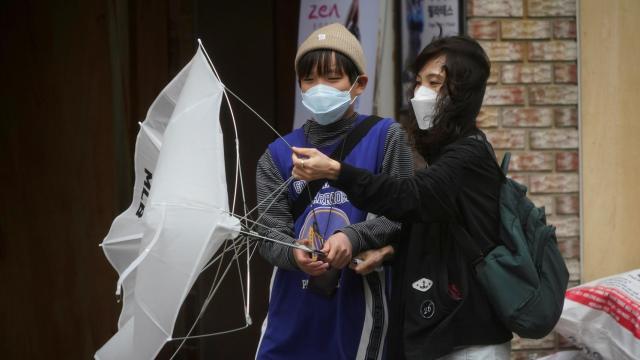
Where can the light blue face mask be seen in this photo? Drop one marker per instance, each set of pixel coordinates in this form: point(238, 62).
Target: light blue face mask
point(327, 103)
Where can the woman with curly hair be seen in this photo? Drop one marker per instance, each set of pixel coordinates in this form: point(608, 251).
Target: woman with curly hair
point(438, 309)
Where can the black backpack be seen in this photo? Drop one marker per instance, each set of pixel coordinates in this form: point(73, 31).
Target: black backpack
point(526, 278)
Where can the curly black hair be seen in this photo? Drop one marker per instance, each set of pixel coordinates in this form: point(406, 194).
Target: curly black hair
point(467, 68)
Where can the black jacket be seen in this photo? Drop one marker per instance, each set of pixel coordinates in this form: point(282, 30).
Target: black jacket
point(436, 305)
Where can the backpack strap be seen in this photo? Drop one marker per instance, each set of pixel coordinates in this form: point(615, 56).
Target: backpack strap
point(505, 163)
point(339, 154)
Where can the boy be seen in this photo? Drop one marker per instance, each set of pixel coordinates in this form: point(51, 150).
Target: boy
point(348, 320)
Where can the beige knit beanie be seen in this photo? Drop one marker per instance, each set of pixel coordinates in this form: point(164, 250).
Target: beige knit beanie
point(334, 37)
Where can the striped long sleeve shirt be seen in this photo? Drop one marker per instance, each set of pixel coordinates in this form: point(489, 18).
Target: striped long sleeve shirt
point(276, 215)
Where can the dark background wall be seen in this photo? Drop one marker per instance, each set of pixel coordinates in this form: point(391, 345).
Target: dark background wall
point(77, 77)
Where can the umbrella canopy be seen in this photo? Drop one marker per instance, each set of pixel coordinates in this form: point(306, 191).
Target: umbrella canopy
point(179, 214)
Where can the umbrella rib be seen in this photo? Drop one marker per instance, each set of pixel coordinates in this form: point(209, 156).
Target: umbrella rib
point(211, 334)
point(204, 307)
point(153, 319)
point(122, 239)
point(134, 264)
point(212, 292)
point(277, 190)
point(256, 223)
point(269, 206)
point(154, 140)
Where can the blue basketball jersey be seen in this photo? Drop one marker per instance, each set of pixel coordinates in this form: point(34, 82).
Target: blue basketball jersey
point(300, 323)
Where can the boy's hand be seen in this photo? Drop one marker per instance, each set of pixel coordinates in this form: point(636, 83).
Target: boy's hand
point(306, 263)
point(338, 249)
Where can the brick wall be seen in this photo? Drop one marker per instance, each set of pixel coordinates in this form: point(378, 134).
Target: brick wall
point(530, 109)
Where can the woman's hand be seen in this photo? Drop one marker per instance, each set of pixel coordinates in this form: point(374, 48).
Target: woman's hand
point(306, 263)
point(369, 260)
point(311, 164)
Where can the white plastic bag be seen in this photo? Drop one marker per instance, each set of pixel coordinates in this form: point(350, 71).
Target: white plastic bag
point(566, 355)
point(603, 317)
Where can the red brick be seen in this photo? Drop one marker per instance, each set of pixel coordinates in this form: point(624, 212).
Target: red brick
point(554, 139)
point(553, 94)
point(546, 342)
point(566, 226)
point(494, 75)
point(567, 161)
point(521, 178)
point(569, 247)
point(495, 8)
point(565, 73)
point(506, 139)
point(483, 29)
point(568, 204)
point(564, 29)
point(573, 265)
point(546, 8)
point(559, 50)
point(531, 161)
point(500, 156)
point(503, 50)
point(526, 73)
point(488, 117)
point(504, 95)
point(554, 183)
point(525, 29)
point(566, 117)
point(527, 117)
point(544, 201)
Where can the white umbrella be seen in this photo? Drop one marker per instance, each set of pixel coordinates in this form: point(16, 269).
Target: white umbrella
point(179, 215)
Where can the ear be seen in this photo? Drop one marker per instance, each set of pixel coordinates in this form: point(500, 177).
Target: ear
point(360, 85)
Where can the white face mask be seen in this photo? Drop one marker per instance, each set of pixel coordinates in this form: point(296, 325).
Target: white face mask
point(424, 104)
point(327, 103)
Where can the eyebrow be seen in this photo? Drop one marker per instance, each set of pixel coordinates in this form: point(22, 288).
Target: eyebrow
point(430, 76)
